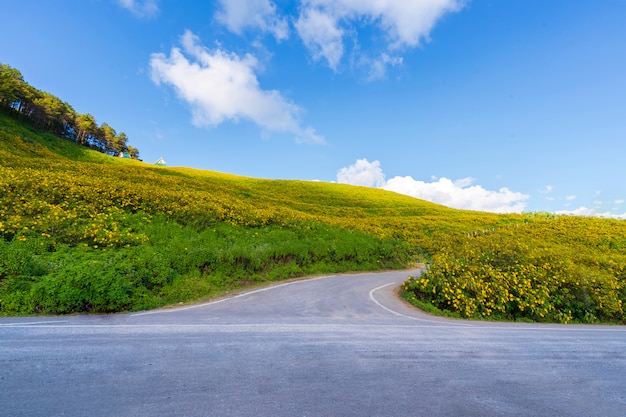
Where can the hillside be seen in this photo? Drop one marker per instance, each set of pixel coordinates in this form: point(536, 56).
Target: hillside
point(49, 113)
point(81, 231)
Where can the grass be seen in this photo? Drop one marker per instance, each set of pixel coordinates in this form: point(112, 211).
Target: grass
point(81, 231)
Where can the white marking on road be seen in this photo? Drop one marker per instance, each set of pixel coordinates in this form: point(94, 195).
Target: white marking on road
point(505, 325)
point(145, 313)
point(307, 327)
point(30, 323)
point(387, 308)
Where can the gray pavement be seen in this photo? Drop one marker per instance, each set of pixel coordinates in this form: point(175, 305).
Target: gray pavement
point(331, 346)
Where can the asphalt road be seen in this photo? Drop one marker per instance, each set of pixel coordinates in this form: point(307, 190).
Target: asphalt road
point(332, 346)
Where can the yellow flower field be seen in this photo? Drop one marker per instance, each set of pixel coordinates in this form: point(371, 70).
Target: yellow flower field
point(73, 204)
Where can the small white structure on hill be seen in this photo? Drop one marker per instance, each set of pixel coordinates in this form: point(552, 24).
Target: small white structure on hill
point(160, 162)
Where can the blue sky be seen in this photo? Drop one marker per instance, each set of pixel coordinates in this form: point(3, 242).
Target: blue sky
point(494, 105)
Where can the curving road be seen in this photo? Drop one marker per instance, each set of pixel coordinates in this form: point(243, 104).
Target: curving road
point(333, 346)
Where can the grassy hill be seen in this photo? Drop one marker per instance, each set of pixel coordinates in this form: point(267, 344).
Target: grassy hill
point(84, 232)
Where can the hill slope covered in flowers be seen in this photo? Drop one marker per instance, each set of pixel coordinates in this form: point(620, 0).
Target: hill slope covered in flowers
point(85, 232)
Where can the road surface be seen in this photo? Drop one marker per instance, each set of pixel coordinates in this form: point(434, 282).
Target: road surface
point(340, 345)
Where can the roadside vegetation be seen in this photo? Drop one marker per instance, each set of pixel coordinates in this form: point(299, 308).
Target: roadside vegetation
point(546, 269)
point(82, 231)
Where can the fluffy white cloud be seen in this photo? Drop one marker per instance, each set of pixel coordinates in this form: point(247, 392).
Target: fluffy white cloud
point(237, 15)
point(323, 23)
point(459, 194)
point(221, 86)
point(321, 35)
point(145, 8)
point(363, 172)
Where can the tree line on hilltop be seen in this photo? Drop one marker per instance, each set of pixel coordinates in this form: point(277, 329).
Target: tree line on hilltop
point(47, 112)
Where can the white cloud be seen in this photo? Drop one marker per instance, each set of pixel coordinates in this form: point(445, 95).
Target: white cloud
point(570, 197)
point(405, 24)
point(221, 86)
point(321, 35)
point(463, 182)
point(363, 172)
point(325, 25)
point(145, 8)
point(590, 212)
point(237, 15)
point(546, 190)
point(613, 216)
point(581, 211)
point(378, 67)
point(459, 194)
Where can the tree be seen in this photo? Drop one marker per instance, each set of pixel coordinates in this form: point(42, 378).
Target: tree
point(122, 142)
point(68, 121)
point(10, 85)
point(108, 138)
point(48, 112)
point(86, 128)
point(133, 152)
